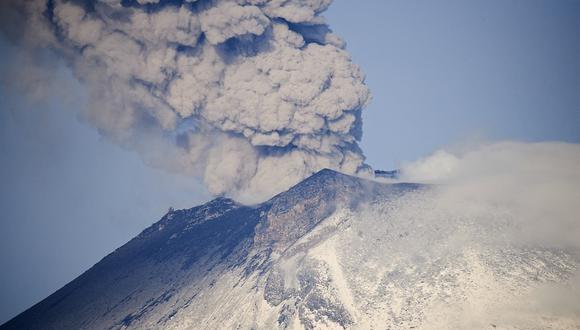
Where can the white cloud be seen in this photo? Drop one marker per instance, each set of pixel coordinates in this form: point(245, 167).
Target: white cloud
point(536, 184)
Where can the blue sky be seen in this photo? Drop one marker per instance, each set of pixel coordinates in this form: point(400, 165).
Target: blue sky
point(442, 73)
point(445, 72)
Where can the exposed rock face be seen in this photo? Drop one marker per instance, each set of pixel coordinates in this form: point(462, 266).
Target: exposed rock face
point(294, 213)
point(332, 252)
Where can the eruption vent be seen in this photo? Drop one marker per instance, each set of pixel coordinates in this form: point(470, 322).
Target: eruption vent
point(250, 95)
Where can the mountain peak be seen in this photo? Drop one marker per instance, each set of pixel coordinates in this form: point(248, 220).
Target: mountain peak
point(324, 184)
point(329, 174)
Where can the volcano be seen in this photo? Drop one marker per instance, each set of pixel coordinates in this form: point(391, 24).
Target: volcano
point(334, 251)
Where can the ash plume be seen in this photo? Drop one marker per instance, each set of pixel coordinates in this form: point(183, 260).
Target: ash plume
point(249, 95)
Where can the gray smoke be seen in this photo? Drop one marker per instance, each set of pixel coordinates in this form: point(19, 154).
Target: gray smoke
point(250, 95)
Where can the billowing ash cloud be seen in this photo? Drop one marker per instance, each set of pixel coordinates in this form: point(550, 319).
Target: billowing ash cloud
point(250, 95)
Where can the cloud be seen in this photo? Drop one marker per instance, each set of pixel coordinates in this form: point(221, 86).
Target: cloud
point(492, 242)
point(536, 185)
point(242, 90)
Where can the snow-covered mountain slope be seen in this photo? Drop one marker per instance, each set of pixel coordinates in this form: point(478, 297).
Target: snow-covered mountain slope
point(332, 252)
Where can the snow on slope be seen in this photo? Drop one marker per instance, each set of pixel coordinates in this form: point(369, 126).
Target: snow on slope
point(332, 252)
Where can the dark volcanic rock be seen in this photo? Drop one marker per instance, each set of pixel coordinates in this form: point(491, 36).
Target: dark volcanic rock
point(334, 251)
point(186, 246)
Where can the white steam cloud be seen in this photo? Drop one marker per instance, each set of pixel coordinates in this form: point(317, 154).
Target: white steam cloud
point(535, 186)
point(504, 221)
point(250, 95)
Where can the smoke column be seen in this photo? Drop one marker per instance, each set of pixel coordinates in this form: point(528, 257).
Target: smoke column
point(249, 95)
